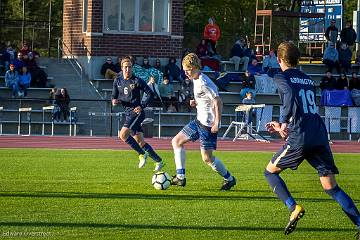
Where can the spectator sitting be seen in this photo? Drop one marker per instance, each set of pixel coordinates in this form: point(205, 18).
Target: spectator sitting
point(345, 56)
point(354, 82)
point(118, 65)
point(38, 75)
point(342, 82)
point(167, 93)
point(270, 64)
point(237, 55)
point(25, 49)
point(19, 62)
point(12, 81)
point(146, 63)
point(254, 68)
point(155, 88)
point(331, 58)
point(173, 71)
point(31, 62)
point(248, 85)
point(249, 52)
point(327, 82)
point(52, 95)
point(24, 80)
point(143, 73)
point(9, 56)
point(332, 32)
point(62, 101)
point(202, 49)
point(158, 66)
point(354, 87)
point(186, 93)
point(248, 99)
point(108, 69)
point(348, 34)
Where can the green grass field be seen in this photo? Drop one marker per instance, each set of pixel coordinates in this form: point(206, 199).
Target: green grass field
point(101, 194)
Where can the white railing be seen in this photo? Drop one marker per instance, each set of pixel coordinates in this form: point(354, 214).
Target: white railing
point(61, 54)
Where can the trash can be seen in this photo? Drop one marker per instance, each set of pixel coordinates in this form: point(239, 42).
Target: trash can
point(148, 123)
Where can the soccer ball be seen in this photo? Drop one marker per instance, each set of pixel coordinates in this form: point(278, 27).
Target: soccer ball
point(161, 180)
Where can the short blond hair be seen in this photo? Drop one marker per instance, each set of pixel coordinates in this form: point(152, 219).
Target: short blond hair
point(192, 61)
point(124, 60)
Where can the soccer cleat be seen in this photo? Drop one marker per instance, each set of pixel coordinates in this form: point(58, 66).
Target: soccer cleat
point(294, 218)
point(159, 166)
point(228, 184)
point(178, 182)
point(142, 159)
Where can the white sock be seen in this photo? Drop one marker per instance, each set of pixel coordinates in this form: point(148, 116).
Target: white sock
point(179, 155)
point(218, 166)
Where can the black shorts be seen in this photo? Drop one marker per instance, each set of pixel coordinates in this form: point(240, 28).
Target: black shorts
point(133, 121)
point(319, 157)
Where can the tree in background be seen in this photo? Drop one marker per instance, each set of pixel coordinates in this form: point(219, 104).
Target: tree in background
point(237, 18)
point(36, 18)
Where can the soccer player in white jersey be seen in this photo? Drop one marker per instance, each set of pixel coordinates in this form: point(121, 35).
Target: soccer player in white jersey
point(205, 127)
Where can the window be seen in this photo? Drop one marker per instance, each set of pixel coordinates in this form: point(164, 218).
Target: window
point(111, 19)
point(161, 16)
point(146, 16)
point(85, 15)
point(127, 15)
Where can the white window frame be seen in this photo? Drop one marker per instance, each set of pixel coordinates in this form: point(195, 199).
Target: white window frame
point(136, 20)
point(85, 15)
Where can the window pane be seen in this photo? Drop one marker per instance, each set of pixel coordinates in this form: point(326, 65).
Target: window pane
point(111, 15)
point(145, 15)
point(161, 15)
point(127, 15)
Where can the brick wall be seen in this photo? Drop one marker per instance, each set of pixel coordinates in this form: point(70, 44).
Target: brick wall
point(96, 43)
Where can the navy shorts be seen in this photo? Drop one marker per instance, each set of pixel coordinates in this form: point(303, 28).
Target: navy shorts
point(195, 130)
point(319, 157)
point(133, 121)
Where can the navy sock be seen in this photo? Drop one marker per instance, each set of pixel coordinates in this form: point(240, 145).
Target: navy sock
point(152, 153)
point(134, 145)
point(279, 188)
point(346, 203)
point(180, 171)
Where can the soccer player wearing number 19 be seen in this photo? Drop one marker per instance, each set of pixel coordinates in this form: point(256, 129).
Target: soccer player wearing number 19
point(306, 138)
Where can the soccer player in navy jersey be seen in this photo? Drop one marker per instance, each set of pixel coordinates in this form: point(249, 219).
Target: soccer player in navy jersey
point(127, 91)
point(306, 138)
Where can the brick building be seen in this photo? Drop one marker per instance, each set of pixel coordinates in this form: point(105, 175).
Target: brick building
point(94, 29)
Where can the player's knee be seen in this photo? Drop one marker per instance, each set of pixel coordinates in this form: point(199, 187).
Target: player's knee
point(123, 135)
point(175, 142)
point(207, 159)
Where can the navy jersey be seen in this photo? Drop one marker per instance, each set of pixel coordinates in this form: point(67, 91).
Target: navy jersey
point(128, 92)
point(297, 93)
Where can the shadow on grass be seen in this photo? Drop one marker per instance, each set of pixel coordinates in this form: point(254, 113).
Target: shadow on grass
point(163, 227)
point(164, 196)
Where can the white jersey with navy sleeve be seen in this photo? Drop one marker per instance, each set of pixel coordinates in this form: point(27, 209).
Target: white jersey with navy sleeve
point(205, 91)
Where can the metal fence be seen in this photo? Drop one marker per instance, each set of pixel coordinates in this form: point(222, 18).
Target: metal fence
point(40, 35)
